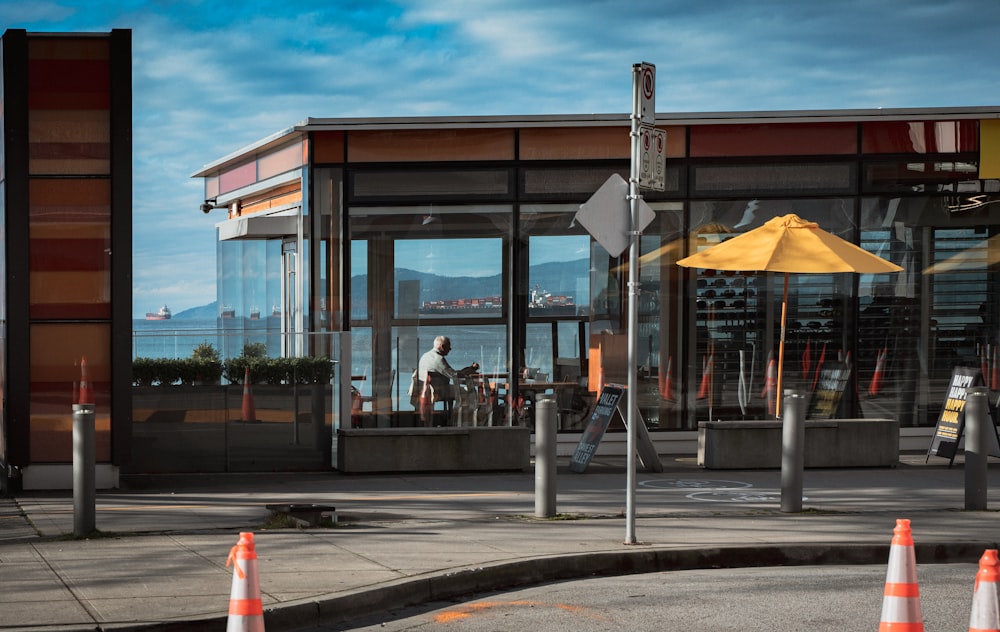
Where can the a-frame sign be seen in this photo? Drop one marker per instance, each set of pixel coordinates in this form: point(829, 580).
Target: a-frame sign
point(951, 421)
point(611, 402)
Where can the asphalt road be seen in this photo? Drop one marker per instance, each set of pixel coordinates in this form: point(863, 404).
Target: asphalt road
point(789, 599)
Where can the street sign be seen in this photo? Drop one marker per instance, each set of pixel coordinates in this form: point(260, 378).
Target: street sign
point(647, 93)
point(606, 215)
point(652, 163)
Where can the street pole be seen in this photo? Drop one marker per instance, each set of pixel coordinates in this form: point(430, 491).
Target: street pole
point(633, 305)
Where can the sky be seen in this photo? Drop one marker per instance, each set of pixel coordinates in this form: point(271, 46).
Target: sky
point(210, 78)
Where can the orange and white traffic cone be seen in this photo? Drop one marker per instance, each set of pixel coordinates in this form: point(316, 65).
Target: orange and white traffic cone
point(706, 377)
point(771, 385)
point(901, 599)
point(667, 381)
point(426, 405)
point(985, 615)
point(875, 386)
point(246, 611)
point(249, 412)
point(86, 395)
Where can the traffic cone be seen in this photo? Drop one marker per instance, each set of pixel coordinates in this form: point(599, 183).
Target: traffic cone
point(246, 612)
point(875, 386)
point(819, 365)
point(86, 395)
point(995, 372)
point(901, 599)
point(806, 360)
point(984, 355)
point(771, 385)
point(706, 377)
point(249, 413)
point(667, 381)
point(985, 615)
point(426, 405)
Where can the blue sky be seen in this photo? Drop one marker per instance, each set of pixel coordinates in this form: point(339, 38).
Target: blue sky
point(212, 77)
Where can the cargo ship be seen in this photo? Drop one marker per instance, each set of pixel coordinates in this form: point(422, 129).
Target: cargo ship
point(161, 314)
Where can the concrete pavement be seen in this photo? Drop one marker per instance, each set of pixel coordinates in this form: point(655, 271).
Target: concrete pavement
point(159, 562)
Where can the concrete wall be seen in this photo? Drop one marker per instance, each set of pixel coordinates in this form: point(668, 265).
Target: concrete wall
point(828, 443)
point(433, 449)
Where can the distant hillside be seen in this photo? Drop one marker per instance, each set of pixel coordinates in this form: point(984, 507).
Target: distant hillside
point(202, 312)
point(559, 278)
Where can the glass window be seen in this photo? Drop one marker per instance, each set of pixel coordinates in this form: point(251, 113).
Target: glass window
point(359, 280)
point(736, 315)
point(427, 145)
point(919, 137)
point(780, 139)
point(911, 176)
point(558, 275)
point(415, 183)
point(442, 278)
point(57, 353)
point(774, 179)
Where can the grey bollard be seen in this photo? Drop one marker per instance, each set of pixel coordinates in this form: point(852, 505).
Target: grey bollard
point(545, 457)
point(793, 450)
point(977, 446)
point(84, 477)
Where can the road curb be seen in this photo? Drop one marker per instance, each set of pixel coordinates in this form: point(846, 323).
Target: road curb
point(635, 559)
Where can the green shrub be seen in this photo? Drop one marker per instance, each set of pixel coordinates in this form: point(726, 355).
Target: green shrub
point(205, 366)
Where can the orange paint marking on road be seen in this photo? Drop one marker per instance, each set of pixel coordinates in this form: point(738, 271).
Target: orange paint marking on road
point(468, 610)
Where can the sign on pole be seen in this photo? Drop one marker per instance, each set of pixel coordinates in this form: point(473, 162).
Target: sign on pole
point(647, 93)
point(652, 164)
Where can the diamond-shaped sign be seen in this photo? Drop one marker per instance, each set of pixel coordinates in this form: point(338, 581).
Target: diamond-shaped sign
point(606, 215)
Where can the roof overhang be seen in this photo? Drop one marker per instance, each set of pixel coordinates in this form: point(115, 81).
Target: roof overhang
point(272, 226)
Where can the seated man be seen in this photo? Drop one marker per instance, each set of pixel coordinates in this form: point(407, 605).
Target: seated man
point(441, 374)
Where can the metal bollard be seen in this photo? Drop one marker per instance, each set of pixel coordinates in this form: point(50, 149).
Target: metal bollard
point(977, 446)
point(84, 477)
point(793, 435)
point(545, 457)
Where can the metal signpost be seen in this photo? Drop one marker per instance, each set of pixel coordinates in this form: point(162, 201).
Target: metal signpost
point(648, 146)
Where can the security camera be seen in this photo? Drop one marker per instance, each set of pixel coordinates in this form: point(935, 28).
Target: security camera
point(206, 208)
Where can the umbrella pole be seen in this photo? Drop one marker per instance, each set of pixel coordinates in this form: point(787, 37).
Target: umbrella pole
point(781, 349)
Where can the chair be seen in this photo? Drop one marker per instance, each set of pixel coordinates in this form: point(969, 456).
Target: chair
point(439, 390)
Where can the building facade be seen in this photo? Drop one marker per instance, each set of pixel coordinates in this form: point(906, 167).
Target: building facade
point(66, 189)
point(398, 230)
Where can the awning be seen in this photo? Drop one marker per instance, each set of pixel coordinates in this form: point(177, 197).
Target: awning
point(275, 226)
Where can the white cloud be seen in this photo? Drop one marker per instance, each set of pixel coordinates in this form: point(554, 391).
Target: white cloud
point(210, 78)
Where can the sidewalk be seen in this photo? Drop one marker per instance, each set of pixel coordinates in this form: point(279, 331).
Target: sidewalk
point(404, 539)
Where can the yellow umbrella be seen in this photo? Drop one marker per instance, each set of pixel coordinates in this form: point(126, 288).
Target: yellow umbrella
point(980, 256)
point(788, 244)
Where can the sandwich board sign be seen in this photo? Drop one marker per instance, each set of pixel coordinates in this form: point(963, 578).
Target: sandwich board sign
point(951, 421)
point(830, 387)
point(610, 403)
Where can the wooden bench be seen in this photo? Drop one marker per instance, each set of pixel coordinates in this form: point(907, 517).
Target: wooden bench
point(307, 514)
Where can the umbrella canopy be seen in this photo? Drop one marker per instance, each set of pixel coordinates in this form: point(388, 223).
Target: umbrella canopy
point(788, 244)
point(980, 256)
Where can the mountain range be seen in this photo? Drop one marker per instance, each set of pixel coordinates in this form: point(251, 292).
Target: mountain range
point(557, 278)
